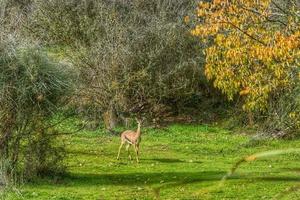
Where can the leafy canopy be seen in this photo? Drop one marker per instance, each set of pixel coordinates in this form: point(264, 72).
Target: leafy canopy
point(253, 47)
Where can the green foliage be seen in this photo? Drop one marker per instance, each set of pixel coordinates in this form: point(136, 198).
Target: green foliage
point(12, 15)
point(30, 79)
point(146, 62)
point(64, 22)
point(134, 56)
point(284, 112)
point(32, 86)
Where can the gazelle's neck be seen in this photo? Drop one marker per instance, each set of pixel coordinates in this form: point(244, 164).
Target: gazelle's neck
point(138, 131)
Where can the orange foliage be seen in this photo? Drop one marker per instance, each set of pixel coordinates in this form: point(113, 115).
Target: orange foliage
point(251, 51)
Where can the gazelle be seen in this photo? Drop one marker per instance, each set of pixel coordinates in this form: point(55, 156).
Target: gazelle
point(131, 138)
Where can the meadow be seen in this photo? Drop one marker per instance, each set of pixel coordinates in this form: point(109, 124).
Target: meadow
point(72, 71)
point(177, 162)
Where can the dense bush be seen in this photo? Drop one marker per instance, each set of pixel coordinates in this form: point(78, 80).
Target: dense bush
point(12, 15)
point(283, 116)
point(32, 86)
point(135, 56)
point(63, 22)
point(146, 63)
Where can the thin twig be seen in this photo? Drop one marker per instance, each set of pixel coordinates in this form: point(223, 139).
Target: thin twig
point(244, 32)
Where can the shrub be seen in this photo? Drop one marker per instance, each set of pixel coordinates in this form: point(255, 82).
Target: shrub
point(145, 62)
point(32, 87)
point(135, 57)
point(283, 114)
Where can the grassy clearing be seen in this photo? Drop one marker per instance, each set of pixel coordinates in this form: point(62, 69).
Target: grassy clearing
point(184, 161)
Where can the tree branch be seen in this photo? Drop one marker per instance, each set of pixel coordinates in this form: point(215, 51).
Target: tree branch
point(244, 32)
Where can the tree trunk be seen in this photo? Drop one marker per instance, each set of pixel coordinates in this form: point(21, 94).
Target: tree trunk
point(250, 118)
point(110, 118)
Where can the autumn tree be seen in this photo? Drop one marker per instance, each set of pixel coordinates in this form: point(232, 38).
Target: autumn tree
point(252, 48)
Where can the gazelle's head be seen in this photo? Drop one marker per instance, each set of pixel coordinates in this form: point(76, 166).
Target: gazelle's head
point(139, 121)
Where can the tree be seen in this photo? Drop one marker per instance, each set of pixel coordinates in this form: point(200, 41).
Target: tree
point(253, 48)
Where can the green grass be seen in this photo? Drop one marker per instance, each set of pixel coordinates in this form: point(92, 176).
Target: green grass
point(185, 162)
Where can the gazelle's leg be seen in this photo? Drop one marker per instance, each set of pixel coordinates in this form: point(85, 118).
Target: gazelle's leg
point(127, 149)
point(138, 148)
point(136, 153)
point(120, 150)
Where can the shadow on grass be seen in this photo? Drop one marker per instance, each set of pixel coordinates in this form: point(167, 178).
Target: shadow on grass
point(280, 178)
point(297, 170)
point(164, 178)
point(85, 152)
point(141, 178)
point(169, 160)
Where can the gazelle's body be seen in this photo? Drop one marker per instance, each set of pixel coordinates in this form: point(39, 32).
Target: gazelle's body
point(131, 138)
